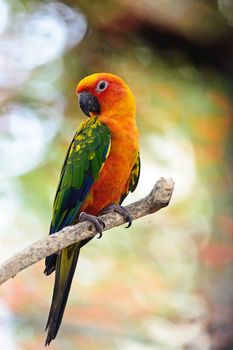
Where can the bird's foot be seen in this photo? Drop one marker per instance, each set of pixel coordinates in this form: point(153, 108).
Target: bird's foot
point(117, 208)
point(97, 222)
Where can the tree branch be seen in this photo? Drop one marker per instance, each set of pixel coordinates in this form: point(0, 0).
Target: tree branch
point(157, 199)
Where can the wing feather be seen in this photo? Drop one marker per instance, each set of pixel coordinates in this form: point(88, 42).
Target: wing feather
point(85, 158)
point(133, 179)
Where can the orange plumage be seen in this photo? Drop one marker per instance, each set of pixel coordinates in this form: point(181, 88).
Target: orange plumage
point(101, 167)
point(118, 113)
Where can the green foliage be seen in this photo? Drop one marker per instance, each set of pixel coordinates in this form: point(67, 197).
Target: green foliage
point(148, 287)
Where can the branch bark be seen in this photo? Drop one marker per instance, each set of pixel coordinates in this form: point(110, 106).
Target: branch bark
point(157, 199)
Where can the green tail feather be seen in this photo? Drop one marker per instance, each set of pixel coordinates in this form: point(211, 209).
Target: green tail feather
point(65, 268)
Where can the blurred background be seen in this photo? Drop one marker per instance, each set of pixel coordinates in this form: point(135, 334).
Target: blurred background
point(166, 283)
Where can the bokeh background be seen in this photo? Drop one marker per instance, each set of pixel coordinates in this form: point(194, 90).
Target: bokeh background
point(166, 283)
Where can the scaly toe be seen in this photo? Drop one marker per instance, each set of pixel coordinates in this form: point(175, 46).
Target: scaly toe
point(120, 210)
point(101, 222)
point(97, 222)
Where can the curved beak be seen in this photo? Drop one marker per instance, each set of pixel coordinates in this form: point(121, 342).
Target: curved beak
point(88, 103)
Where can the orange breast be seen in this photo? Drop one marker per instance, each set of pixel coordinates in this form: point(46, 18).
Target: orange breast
point(116, 170)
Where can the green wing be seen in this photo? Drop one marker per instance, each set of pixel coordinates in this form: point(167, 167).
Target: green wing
point(86, 155)
point(85, 158)
point(133, 178)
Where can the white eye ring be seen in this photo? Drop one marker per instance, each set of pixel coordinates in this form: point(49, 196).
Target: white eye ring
point(101, 86)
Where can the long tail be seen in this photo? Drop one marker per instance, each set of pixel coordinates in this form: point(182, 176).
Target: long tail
point(65, 267)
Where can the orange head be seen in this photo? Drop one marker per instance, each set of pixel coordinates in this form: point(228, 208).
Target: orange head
point(105, 94)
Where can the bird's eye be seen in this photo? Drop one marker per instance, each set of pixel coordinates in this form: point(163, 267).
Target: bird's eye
point(102, 86)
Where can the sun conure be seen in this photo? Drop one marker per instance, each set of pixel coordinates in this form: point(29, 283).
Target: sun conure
point(101, 166)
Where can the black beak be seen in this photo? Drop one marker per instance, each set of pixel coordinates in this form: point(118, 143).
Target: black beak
point(88, 103)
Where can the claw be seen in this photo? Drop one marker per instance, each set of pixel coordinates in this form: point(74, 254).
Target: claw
point(129, 224)
point(103, 224)
point(97, 222)
point(120, 210)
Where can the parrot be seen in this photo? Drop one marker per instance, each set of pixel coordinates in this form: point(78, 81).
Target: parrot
point(101, 167)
